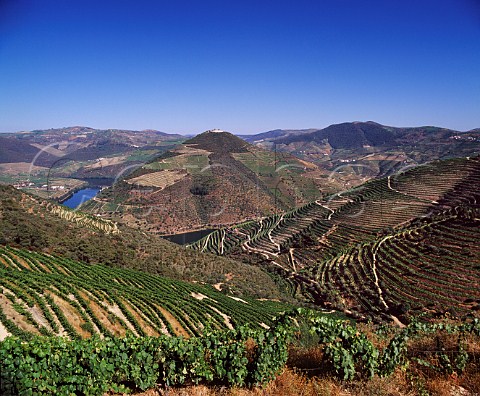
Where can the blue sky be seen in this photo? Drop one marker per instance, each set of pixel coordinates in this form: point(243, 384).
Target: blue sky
point(244, 66)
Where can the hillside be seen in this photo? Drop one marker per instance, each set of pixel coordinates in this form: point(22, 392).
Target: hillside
point(210, 180)
point(371, 149)
point(50, 295)
point(36, 224)
point(12, 150)
point(388, 246)
point(70, 156)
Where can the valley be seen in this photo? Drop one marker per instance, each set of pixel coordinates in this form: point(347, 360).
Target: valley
point(367, 250)
point(211, 180)
point(54, 163)
point(239, 198)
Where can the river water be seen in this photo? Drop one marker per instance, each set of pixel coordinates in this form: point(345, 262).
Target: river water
point(188, 237)
point(80, 197)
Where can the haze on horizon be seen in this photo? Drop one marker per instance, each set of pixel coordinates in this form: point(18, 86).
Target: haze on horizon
point(245, 67)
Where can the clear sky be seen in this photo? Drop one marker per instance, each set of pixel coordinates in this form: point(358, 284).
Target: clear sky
point(245, 66)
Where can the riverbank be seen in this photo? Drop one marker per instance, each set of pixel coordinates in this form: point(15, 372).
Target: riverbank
point(68, 194)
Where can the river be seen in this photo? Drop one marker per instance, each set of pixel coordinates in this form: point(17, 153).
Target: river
point(81, 196)
point(188, 237)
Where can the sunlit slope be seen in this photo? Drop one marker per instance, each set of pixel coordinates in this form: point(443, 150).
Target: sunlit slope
point(50, 295)
point(36, 224)
point(433, 264)
point(340, 251)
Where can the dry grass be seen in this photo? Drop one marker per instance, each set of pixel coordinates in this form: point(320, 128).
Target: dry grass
point(103, 316)
point(177, 327)
point(14, 168)
point(6, 306)
point(161, 179)
point(288, 383)
point(293, 383)
point(71, 314)
point(149, 331)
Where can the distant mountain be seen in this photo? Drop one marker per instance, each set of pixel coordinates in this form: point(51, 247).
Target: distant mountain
point(79, 153)
point(277, 133)
point(213, 179)
point(350, 135)
point(373, 149)
point(346, 135)
point(80, 143)
point(72, 138)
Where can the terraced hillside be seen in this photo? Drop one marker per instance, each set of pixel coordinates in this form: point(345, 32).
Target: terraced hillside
point(50, 295)
point(433, 264)
point(382, 248)
point(214, 179)
point(29, 222)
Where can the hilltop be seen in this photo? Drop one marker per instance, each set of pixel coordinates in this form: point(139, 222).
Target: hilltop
point(390, 247)
point(210, 180)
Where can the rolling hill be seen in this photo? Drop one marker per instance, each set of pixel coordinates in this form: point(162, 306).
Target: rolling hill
point(403, 243)
point(210, 180)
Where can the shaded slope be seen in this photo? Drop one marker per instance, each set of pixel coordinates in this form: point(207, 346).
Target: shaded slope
point(12, 150)
point(347, 135)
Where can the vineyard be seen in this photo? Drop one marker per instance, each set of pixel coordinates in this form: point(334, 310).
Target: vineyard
point(29, 222)
point(241, 356)
point(160, 179)
point(385, 247)
point(433, 264)
point(53, 296)
point(84, 219)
